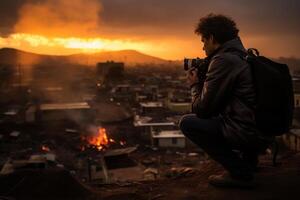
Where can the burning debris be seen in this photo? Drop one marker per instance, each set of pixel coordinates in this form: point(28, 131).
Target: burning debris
point(99, 139)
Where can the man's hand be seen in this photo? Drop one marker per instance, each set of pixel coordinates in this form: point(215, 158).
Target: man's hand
point(192, 76)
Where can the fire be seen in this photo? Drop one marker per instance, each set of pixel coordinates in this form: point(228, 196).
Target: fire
point(100, 140)
point(45, 148)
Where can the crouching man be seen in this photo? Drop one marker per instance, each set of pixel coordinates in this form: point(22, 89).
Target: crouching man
point(222, 118)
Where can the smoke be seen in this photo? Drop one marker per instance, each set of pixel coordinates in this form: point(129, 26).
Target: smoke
point(59, 18)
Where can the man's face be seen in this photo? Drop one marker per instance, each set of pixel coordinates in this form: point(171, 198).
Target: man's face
point(208, 45)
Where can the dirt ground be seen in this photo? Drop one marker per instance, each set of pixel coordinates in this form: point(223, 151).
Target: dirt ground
point(281, 182)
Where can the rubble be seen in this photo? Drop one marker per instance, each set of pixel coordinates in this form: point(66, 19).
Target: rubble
point(150, 174)
point(181, 172)
point(14, 134)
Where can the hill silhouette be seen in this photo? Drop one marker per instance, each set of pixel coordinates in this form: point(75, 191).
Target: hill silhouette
point(129, 57)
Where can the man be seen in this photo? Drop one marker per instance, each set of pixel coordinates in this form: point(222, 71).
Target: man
point(223, 105)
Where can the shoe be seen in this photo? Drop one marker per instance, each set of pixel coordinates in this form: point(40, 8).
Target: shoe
point(252, 161)
point(226, 180)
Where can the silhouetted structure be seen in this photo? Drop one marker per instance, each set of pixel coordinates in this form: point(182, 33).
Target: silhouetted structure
point(110, 71)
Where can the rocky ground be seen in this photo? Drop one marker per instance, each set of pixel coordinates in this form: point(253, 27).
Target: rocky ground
point(279, 182)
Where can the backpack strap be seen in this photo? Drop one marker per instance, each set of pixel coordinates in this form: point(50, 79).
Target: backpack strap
point(253, 52)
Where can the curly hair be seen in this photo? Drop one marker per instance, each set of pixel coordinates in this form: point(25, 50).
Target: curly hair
point(221, 27)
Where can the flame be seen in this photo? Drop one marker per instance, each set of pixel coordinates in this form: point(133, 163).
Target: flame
point(122, 143)
point(100, 140)
point(45, 148)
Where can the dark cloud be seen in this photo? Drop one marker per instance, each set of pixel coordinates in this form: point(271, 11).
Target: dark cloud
point(176, 16)
point(9, 15)
point(47, 16)
point(262, 23)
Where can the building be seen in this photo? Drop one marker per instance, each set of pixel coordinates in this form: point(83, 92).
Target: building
point(179, 101)
point(148, 108)
point(123, 92)
point(292, 140)
point(170, 138)
point(77, 111)
point(297, 100)
point(12, 114)
point(35, 162)
point(115, 165)
point(296, 84)
point(110, 71)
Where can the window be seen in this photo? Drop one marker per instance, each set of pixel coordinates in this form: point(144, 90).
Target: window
point(174, 140)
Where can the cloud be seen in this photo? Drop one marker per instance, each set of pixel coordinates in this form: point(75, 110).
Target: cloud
point(179, 17)
point(262, 23)
point(62, 18)
point(144, 17)
point(9, 15)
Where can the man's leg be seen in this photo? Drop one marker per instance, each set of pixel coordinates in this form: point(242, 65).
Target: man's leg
point(251, 158)
point(207, 134)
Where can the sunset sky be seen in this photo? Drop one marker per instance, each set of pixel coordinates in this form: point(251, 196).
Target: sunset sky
point(162, 28)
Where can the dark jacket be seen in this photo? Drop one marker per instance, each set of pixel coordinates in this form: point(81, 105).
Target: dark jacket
point(228, 94)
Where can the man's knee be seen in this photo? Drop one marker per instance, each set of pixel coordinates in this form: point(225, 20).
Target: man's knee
point(185, 122)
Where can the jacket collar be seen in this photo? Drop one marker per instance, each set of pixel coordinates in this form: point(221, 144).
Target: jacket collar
point(231, 45)
point(235, 43)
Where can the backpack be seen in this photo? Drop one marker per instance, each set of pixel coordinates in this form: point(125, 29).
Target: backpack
point(274, 94)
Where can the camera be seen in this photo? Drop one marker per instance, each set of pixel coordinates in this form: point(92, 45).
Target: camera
point(197, 63)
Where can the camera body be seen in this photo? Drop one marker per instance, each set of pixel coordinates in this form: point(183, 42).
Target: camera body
point(197, 63)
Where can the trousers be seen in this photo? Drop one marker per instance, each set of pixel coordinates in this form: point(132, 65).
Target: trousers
point(207, 134)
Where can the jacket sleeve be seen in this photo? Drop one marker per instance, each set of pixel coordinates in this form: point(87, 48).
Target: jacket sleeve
point(217, 88)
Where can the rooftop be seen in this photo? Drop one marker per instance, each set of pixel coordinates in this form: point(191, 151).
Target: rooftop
point(169, 134)
point(65, 106)
point(296, 131)
point(151, 104)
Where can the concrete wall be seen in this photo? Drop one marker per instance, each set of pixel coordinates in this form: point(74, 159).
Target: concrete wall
point(292, 141)
point(171, 142)
point(179, 107)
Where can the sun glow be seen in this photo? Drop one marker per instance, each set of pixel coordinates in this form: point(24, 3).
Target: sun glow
point(86, 45)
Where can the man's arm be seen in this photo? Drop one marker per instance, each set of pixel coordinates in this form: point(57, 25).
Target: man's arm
point(216, 90)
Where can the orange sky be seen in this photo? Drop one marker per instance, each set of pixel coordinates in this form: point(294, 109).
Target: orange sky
point(70, 45)
point(159, 28)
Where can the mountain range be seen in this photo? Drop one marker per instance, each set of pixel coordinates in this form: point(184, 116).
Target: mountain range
point(129, 57)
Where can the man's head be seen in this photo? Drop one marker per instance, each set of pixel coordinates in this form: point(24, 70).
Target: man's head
point(215, 30)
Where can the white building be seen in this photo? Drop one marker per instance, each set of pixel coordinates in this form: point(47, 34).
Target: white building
point(172, 138)
point(151, 107)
